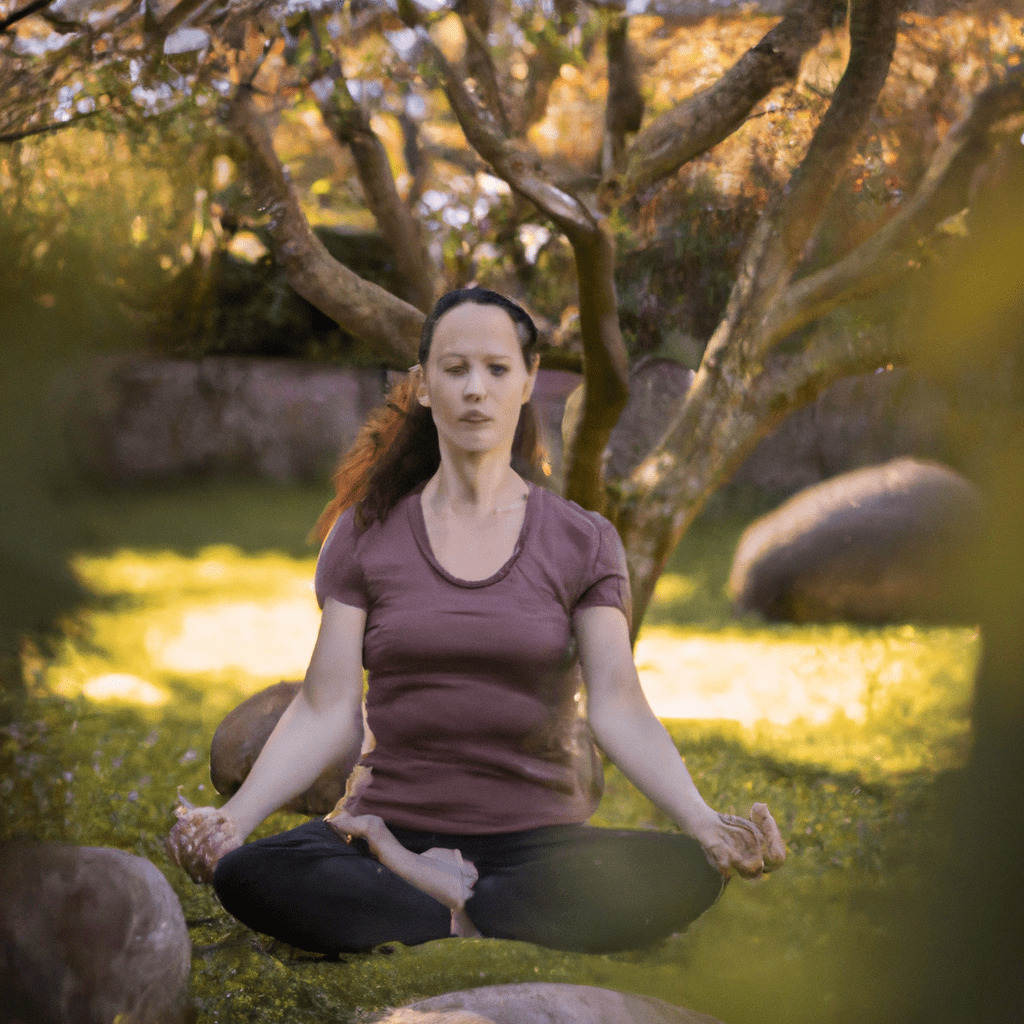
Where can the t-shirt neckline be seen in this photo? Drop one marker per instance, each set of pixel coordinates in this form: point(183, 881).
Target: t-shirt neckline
point(419, 531)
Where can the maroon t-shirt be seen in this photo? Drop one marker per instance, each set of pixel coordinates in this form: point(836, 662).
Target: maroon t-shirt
point(472, 685)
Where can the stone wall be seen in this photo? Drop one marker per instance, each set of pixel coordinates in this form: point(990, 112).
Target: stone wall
point(129, 419)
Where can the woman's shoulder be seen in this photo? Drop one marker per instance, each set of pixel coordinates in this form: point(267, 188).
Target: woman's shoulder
point(351, 530)
point(573, 515)
point(342, 534)
point(582, 549)
point(569, 522)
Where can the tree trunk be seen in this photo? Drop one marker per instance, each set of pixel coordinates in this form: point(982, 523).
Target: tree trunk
point(745, 386)
point(742, 387)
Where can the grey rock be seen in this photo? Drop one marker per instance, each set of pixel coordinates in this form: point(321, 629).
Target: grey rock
point(241, 735)
point(89, 935)
point(543, 1003)
point(885, 543)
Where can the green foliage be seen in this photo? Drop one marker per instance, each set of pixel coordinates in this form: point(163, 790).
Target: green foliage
point(106, 769)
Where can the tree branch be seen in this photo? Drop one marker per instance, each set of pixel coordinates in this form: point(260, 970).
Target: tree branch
point(53, 126)
point(518, 167)
point(704, 120)
point(791, 218)
point(178, 14)
point(873, 26)
point(476, 22)
point(879, 262)
point(362, 308)
point(542, 70)
point(28, 9)
point(349, 123)
point(606, 367)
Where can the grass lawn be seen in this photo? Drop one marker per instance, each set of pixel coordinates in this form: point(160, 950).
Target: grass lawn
point(203, 597)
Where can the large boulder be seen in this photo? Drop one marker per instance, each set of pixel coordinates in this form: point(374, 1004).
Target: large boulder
point(886, 543)
point(241, 735)
point(89, 935)
point(543, 1003)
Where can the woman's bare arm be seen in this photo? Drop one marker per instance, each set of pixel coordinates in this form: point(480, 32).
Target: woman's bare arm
point(630, 734)
point(321, 723)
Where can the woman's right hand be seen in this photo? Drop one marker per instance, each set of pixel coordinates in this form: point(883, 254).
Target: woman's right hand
point(748, 847)
point(199, 838)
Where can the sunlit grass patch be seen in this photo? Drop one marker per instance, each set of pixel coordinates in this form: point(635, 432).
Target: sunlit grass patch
point(233, 619)
point(878, 701)
point(217, 571)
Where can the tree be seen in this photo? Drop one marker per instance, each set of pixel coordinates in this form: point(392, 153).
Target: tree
point(768, 354)
point(753, 372)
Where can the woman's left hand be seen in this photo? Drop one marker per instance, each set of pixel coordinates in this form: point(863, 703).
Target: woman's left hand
point(748, 847)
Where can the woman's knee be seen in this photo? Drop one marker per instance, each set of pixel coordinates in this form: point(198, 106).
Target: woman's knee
point(235, 875)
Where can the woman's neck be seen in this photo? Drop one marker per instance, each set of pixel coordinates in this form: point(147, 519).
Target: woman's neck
point(474, 487)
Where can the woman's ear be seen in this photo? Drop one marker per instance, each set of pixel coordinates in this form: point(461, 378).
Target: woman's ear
point(421, 392)
point(531, 380)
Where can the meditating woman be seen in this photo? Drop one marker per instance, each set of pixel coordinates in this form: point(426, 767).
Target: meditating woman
point(473, 598)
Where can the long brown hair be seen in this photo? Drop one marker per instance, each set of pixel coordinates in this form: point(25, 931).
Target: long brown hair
point(397, 447)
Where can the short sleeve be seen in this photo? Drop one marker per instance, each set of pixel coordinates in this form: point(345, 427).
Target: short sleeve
point(607, 582)
point(338, 572)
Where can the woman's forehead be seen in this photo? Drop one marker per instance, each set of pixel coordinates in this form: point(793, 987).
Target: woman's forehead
point(473, 329)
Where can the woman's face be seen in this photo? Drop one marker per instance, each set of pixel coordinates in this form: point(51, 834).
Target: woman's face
point(475, 380)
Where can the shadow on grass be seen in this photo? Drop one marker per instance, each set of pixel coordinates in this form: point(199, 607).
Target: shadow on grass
point(252, 517)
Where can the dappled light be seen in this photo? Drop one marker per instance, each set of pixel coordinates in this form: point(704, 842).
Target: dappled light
point(221, 614)
point(262, 638)
point(124, 687)
point(810, 676)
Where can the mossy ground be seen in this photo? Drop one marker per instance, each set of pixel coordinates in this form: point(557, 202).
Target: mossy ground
point(121, 715)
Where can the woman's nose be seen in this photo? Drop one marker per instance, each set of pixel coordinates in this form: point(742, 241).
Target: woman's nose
point(474, 385)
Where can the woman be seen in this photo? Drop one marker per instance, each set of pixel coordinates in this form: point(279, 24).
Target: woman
point(472, 597)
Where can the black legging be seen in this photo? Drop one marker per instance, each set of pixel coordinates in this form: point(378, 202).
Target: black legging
point(572, 887)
